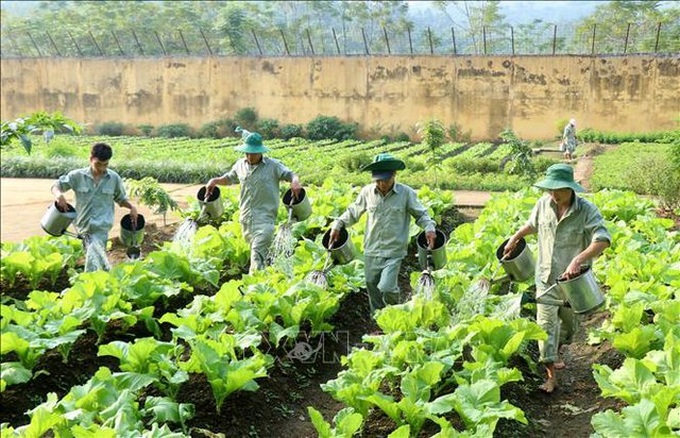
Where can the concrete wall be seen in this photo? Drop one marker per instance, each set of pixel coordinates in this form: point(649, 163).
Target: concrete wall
point(384, 94)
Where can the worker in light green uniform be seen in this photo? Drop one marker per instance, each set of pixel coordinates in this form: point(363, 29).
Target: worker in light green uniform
point(569, 142)
point(390, 206)
point(97, 188)
point(259, 177)
point(571, 233)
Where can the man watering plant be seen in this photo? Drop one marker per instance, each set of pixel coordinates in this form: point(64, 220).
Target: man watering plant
point(96, 187)
point(571, 233)
point(259, 177)
point(390, 206)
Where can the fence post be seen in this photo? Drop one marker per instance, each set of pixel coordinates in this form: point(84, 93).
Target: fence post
point(592, 47)
point(410, 43)
point(141, 50)
point(554, 39)
point(101, 52)
point(53, 45)
point(285, 43)
point(34, 44)
point(658, 32)
point(118, 43)
point(429, 37)
point(335, 37)
point(387, 41)
point(363, 34)
point(181, 35)
point(75, 43)
point(453, 38)
point(512, 39)
point(309, 39)
point(160, 43)
point(205, 40)
point(257, 42)
point(484, 35)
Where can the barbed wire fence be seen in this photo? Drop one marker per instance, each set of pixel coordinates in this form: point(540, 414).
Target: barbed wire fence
point(548, 40)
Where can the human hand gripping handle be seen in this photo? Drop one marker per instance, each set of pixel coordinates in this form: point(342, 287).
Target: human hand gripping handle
point(510, 246)
point(431, 237)
point(62, 205)
point(295, 187)
point(333, 237)
point(133, 217)
point(209, 187)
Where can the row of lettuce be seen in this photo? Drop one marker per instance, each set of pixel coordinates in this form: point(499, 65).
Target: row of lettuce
point(440, 363)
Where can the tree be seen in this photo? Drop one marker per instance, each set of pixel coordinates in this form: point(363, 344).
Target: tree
point(474, 18)
point(612, 19)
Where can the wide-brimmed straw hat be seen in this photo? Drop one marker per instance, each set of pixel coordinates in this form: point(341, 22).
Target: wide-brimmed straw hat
point(252, 144)
point(385, 162)
point(559, 176)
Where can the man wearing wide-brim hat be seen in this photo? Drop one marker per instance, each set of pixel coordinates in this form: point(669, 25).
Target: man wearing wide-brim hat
point(259, 177)
point(390, 206)
point(571, 233)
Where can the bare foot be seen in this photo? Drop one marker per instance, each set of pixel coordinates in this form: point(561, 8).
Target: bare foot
point(549, 386)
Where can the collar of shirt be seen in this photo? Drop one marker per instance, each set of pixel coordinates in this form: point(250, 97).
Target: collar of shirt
point(393, 189)
point(88, 172)
point(573, 207)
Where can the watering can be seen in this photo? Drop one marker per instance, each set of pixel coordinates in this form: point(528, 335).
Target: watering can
point(582, 293)
point(519, 265)
point(434, 258)
point(129, 235)
point(342, 250)
point(211, 206)
point(56, 222)
point(300, 206)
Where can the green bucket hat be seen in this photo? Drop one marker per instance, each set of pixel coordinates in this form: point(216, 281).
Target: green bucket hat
point(385, 162)
point(252, 144)
point(559, 176)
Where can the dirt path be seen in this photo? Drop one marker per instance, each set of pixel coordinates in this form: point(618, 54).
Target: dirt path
point(23, 203)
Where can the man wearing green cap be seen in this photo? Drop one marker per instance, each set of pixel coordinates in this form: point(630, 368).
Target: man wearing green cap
point(571, 233)
point(259, 177)
point(390, 206)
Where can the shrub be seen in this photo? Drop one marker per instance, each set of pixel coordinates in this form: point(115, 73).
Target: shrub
point(290, 131)
point(218, 129)
point(111, 129)
point(174, 130)
point(402, 136)
point(326, 127)
point(145, 129)
point(246, 118)
point(268, 128)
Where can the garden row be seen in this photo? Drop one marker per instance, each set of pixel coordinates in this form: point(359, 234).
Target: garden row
point(483, 166)
point(438, 366)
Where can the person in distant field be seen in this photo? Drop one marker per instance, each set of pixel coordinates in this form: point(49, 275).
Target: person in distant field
point(571, 233)
point(569, 142)
point(390, 206)
point(97, 188)
point(259, 177)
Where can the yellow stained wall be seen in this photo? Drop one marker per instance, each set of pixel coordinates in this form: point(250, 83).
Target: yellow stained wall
point(384, 94)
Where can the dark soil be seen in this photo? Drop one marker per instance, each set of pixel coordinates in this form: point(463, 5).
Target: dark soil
point(279, 407)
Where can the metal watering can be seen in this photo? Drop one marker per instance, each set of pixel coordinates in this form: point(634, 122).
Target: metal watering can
point(301, 208)
point(343, 250)
point(132, 237)
point(56, 222)
point(582, 293)
point(519, 266)
point(434, 258)
point(212, 206)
